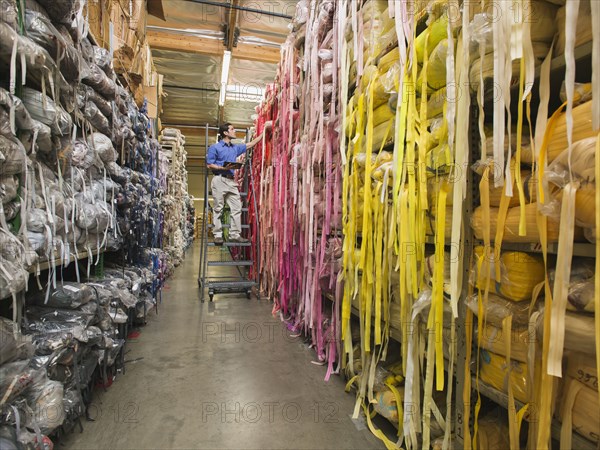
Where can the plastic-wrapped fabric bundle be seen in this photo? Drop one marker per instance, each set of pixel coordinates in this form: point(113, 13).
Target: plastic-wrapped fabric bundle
point(9, 187)
point(582, 368)
point(434, 34)
point(493, 433)
point(86, 93)
point(14, 346)
point(436, 68)
point(103, 146)
point(5, 127)
point(95, 117)
point(73, 235)
point(520, 273)
point(14, 156)
point(22, 117)
point(53, 115)
point(431, 221)
point(585, 411)
point(37, 241)
point(8, 13)
point(577, 166)
point(84, 315)
point(83, 156)
point(37, 220)
point(13, 278)
point(92, 217)
point(11, 248)
point(430, 266)
point(498, 308)
point(511, 227)
point(68, 295)
point(103, 60)
point(581, 286)
point(582, 129)
point(492, 339)
point(579, 332)
point(40, 136)
point(39, 28)
point(540, 50)
point(17, 377)
point(36, 57)
point(12, 210)
point(439, 160)
point(93, 76)
point(63, 11)
point(494, 372)
point(583, 26)
point(46, 402)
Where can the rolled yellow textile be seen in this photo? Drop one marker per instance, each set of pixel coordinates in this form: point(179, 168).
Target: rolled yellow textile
point(511, 227)
point(494, 372)
point(586, 410)
point(520, 273)
point(582, 128)
point(492, 339)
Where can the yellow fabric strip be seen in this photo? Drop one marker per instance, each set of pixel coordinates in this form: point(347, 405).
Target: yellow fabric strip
point(561, 282)
point(597, 276)
point(438, 292)
point(512, 419)
point(517, 178)
point(389, 445)
point(546, 385)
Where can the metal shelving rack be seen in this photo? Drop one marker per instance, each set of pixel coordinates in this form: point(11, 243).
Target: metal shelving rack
point(583, 60)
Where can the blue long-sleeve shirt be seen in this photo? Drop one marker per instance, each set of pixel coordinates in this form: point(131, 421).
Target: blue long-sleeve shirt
point(222, 153)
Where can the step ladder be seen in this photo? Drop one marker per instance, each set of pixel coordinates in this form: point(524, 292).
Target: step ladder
point(224, 268)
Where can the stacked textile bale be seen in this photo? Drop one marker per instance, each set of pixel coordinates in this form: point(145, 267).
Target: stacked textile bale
point(531, 193)
point(177, 235)
point(299, 175)
point(77, 175)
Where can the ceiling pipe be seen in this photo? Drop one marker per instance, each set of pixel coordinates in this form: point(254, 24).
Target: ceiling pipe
point(242, 8)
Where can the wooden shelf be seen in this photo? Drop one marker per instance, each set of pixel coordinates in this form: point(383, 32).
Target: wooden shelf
point(579, 248)
point(58, 261)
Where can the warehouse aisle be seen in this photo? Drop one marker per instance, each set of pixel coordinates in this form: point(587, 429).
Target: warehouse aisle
point(221, 375)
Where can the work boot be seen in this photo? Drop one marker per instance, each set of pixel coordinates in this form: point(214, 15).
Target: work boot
point(218, 240)
point(239, 239)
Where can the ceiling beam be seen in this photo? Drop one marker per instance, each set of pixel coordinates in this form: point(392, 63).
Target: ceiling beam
point(253, 52)
point(167, 40)
point(233, 13)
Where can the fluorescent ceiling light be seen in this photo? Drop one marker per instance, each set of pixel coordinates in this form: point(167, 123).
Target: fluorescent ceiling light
point(245, 93)
point(224, 76)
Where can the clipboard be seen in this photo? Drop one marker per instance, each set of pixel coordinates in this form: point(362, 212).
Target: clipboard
point(233, 165)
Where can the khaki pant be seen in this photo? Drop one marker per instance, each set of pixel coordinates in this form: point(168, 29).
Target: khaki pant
point(226, 190)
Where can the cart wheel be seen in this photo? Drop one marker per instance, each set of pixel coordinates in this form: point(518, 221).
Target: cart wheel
point(248, 294)
point(210, 296)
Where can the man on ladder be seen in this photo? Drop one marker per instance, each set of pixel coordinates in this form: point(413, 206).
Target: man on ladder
point(221, 159)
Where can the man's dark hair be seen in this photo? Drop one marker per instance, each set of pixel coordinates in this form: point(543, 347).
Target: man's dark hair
point(222, 129)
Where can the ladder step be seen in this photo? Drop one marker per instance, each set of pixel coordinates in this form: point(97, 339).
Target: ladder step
point(218, 285)
point(242, 209)
point(229, 263)
point(231, 244)
point(242, 194)
point(227, 225)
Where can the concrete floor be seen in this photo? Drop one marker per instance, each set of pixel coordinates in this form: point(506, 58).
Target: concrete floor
point(222, 375)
